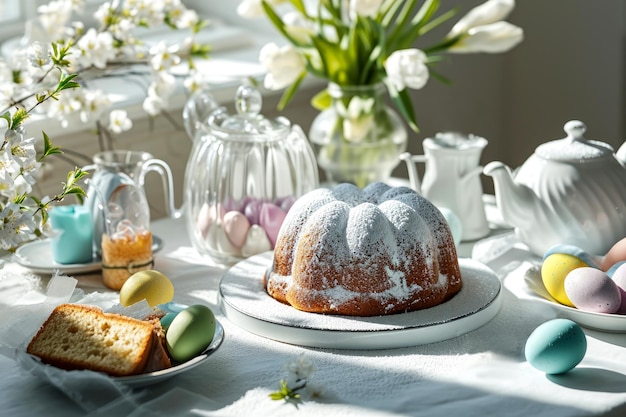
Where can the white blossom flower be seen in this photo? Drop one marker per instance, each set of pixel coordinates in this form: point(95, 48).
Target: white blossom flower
point(493, 38)
point(365, 8)
point(96, 48)
point(489, 12)
point(119, 121)
point(284, 65)
point(407, 68)
point(162, 57)
point(301, 367)
point(38, 55)
point(153, 104)
point(94, 103)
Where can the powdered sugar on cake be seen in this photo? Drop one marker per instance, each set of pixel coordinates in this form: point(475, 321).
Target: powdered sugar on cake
point(347, 249)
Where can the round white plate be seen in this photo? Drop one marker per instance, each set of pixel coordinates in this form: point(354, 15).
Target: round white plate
point(532, 288)
point(37, 256)
point(244, 301)
point(136, 380)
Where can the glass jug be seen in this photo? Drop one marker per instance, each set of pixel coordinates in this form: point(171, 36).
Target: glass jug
point(244, 173)
point(117, 167)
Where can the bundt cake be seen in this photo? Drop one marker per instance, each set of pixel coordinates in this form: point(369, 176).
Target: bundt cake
point(376, 251)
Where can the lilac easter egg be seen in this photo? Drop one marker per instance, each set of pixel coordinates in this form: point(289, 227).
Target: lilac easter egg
point(619, 277)
point(591, 289)
point(252, 210)
point(236, 226)
point(270, 219)
point(285, 203)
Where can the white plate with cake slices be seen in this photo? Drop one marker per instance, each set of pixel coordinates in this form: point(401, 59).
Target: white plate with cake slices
point(531, 288)
point(244, 301)
point(37, 256)
point(34, 365)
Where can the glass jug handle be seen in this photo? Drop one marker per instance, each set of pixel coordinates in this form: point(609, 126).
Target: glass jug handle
point(163, 169)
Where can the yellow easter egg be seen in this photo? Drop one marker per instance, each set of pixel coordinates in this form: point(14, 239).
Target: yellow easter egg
point(150, 285)
point(553, 272)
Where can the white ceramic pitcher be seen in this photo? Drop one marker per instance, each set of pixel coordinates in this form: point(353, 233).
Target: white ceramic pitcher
point(452, 178)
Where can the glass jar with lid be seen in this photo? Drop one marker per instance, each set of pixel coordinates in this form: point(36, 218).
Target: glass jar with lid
point(243, 174)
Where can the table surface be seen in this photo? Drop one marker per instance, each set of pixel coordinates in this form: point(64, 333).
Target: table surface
point(483, 372)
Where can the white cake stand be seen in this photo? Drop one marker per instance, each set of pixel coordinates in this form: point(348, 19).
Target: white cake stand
point(244, 301)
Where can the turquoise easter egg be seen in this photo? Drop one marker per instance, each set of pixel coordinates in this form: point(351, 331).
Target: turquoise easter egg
point(556, 346)
point(573, 250)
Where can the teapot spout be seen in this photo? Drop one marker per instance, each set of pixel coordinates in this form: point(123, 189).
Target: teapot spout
point(516, 202)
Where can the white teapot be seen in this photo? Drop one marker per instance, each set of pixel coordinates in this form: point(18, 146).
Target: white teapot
point(571, 190)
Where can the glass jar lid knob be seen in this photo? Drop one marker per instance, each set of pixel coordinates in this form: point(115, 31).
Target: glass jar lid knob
point(248, 100)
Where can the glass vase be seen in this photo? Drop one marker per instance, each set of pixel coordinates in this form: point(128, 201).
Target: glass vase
point(358, 138)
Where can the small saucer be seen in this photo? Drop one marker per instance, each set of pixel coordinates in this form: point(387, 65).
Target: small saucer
point(37, 256)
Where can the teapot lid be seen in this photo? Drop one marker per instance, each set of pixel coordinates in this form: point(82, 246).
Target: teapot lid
point(248, 120)
point(574, 147)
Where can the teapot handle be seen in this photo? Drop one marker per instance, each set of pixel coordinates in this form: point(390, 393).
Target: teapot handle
point(163, 169)
point(411, 161)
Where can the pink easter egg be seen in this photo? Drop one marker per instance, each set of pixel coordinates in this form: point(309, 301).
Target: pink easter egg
point(614, 255)
point(206, 217)
point(236, 226)
point(619, 277)
point(252, 210)
point(271, 218)
point(590, 289)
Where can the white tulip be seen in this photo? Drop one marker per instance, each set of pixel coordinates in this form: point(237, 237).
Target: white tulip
point(365, 8)
point(251, 9)
point(494, 38)
point(284, 65)
point(489, 12)
point(407, 68)
point(298, 27)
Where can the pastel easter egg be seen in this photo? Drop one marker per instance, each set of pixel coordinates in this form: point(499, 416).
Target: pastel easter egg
point(252, 210)
point(286, 202)
point(619, 277)
point(150, 285)
point(222, 243)
point(611, 271)
point(190, 332)
point(236, 227)
point(554, 269)
point(590, 260)
point(590, 289)
point(206, 217)
point(556, 346)
point(614, 255)
point(167, 319)
point(256, 241)
point(271, 219)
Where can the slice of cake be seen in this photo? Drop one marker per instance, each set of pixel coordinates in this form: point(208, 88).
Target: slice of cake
point(83, 337)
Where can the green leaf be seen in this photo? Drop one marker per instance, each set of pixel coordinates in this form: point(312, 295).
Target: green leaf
point(289, 92)
point(48, 148)
point(403, 102)
point(322, 100)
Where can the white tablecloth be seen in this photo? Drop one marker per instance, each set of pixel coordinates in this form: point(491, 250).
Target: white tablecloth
point(480, 373)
